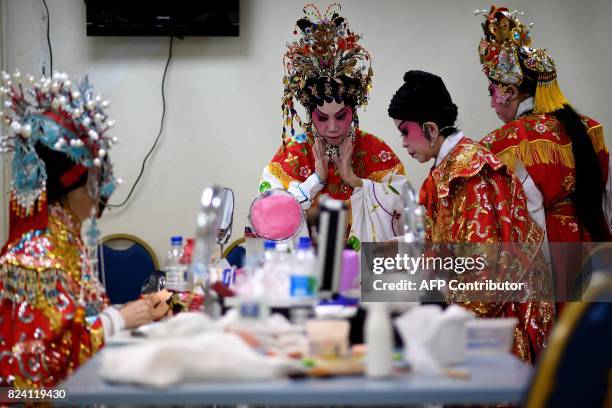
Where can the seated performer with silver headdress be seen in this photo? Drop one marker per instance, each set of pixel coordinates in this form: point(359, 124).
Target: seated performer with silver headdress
point(54, 313)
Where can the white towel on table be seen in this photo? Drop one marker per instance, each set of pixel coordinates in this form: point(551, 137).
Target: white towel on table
point(183, 324)
point(211, 356)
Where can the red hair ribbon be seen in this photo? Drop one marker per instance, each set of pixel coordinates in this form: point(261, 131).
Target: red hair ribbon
point(72, 175)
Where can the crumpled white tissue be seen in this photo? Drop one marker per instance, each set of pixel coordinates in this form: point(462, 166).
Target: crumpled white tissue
point(275, 333)
point(211, 356)
point(434, 338)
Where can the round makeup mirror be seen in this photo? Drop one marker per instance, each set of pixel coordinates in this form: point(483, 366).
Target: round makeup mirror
point(276, 215)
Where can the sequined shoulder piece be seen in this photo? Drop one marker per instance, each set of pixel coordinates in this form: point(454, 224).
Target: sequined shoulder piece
point(506, 136)
point(539, 139)
point(465, 160)
point(34, 251)
point(34, 265)
point(30, 271)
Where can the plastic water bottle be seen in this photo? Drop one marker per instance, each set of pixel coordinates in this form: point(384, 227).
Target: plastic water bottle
point(303, 280)
point(275, 272)
point(177, 272)
point(251, 285)
point(302, 283)
point(269, 254)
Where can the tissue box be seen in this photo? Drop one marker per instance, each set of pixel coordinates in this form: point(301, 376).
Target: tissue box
point(449, 346)
point(490, 335)
point(433, 337)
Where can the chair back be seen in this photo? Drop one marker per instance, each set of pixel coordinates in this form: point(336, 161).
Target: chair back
point(235, 253)
point(128, 262)
point(576, 368)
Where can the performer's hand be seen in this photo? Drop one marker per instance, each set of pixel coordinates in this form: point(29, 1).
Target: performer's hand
point(160, 302)
point(321, 159)
point(137, 313)
point(345, 165)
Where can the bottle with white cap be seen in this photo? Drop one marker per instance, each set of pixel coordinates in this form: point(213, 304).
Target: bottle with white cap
point(303, 281)
point(379, 341)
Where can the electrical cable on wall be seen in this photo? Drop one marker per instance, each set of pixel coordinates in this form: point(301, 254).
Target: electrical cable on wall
point(49, 37)
point(161, 128)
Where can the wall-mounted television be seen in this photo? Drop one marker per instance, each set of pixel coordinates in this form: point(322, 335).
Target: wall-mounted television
point(178, 18)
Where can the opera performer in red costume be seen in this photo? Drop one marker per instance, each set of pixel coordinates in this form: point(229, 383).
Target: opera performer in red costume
point(329, 73)
point(54, 313)
point(470, 196)
point(559, 155)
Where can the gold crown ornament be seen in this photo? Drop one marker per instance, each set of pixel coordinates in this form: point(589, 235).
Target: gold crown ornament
point(507, 57)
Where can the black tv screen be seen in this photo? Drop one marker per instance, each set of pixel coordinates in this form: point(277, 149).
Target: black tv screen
point(163, 18)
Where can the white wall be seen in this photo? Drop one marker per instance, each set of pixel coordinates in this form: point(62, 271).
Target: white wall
point(223, 94)
point(4, 160)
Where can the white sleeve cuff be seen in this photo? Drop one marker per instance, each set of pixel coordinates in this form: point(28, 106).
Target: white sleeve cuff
point(112, 321)
point(306, 190)
point(312, 185)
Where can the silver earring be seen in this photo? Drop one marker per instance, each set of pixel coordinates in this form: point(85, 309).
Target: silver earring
point(351, 134)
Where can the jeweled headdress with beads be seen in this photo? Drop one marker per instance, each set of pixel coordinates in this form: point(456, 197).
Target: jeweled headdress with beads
point(65, 118)
point(326, 48)
point(505, 54)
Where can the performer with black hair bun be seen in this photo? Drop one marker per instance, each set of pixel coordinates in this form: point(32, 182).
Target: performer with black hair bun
point(329, 73)
point(470, 196)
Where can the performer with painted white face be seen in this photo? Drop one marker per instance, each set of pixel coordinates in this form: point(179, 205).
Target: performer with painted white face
point(329, 73)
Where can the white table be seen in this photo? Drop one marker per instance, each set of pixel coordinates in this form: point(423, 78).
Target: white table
point(494, 378)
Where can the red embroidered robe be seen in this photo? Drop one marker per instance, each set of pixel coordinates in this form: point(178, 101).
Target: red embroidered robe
point(471, 197)
point(44, 331)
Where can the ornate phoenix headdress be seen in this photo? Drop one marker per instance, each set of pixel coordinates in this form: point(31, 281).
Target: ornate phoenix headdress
point(65, 118)
point(506, 54)
point(326, 48)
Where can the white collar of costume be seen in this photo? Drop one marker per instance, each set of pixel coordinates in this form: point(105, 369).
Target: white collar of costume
point(449, 143)
point(525, 106)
